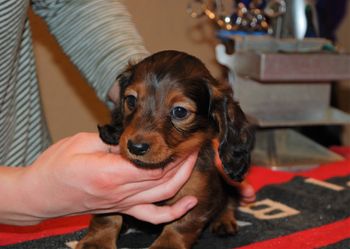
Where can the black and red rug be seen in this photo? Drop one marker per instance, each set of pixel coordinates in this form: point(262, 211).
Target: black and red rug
point(293, 211)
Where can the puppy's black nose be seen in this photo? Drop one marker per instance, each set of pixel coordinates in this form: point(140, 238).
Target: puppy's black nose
point(138, 149)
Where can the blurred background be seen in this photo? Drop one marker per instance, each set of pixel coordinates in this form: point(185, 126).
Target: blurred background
point(164, 24)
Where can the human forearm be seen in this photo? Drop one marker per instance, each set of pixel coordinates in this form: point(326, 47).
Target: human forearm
point(79, 175)
point(98, 36)
point(14, 207)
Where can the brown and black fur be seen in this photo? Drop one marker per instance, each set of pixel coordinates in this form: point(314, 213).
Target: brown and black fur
point(152, 130)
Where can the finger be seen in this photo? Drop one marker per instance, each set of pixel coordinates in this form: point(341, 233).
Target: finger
point(165, 189)
point(121, 170)
point(119, 166)
point(130, 189)
point(154, 174)
point(246, 190)
point(162, 214)
point(162, 173)
point(247, 193)
point(114, 175)
point(244, 201)
point(89, 142)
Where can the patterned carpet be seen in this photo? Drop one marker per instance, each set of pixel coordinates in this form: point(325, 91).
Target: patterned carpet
point(293, 211)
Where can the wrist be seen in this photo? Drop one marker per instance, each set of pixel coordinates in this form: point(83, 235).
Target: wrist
point(16, 209)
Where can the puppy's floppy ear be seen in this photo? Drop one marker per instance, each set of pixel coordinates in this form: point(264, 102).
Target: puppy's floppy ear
point(236, 135)
point(110, 133)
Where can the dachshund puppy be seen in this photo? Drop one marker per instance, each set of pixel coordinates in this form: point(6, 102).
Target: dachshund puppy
point(171, 105)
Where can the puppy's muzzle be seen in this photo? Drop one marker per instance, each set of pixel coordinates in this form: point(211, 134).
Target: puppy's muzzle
point(138, 149)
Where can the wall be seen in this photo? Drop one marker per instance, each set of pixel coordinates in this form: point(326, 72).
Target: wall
point(343, 90)
point(71, 106)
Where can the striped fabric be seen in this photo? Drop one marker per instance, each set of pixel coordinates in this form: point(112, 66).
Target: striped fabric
point(100, 39)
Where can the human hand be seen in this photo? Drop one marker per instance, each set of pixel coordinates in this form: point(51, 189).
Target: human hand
point(77, 175)
point(247, 192)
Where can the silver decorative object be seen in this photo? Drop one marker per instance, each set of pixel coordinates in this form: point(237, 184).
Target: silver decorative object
point(229, 15)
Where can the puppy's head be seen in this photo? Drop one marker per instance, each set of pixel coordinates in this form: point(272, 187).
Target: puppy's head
point(170, 105)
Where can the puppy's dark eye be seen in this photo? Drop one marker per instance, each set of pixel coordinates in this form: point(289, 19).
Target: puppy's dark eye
point(130, 101)
point(179, 113)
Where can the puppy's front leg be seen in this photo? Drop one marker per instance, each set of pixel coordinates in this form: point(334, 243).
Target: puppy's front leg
point(103, 232)
point(181, 234)
point(225, 223)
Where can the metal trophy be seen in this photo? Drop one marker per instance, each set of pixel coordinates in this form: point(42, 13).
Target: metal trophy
point(233, 15)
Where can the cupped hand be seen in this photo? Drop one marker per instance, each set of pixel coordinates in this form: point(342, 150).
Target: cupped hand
point(80, 175)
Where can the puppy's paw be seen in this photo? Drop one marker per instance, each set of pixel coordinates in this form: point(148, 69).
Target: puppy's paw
point(225, 225)
point(94, 245)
